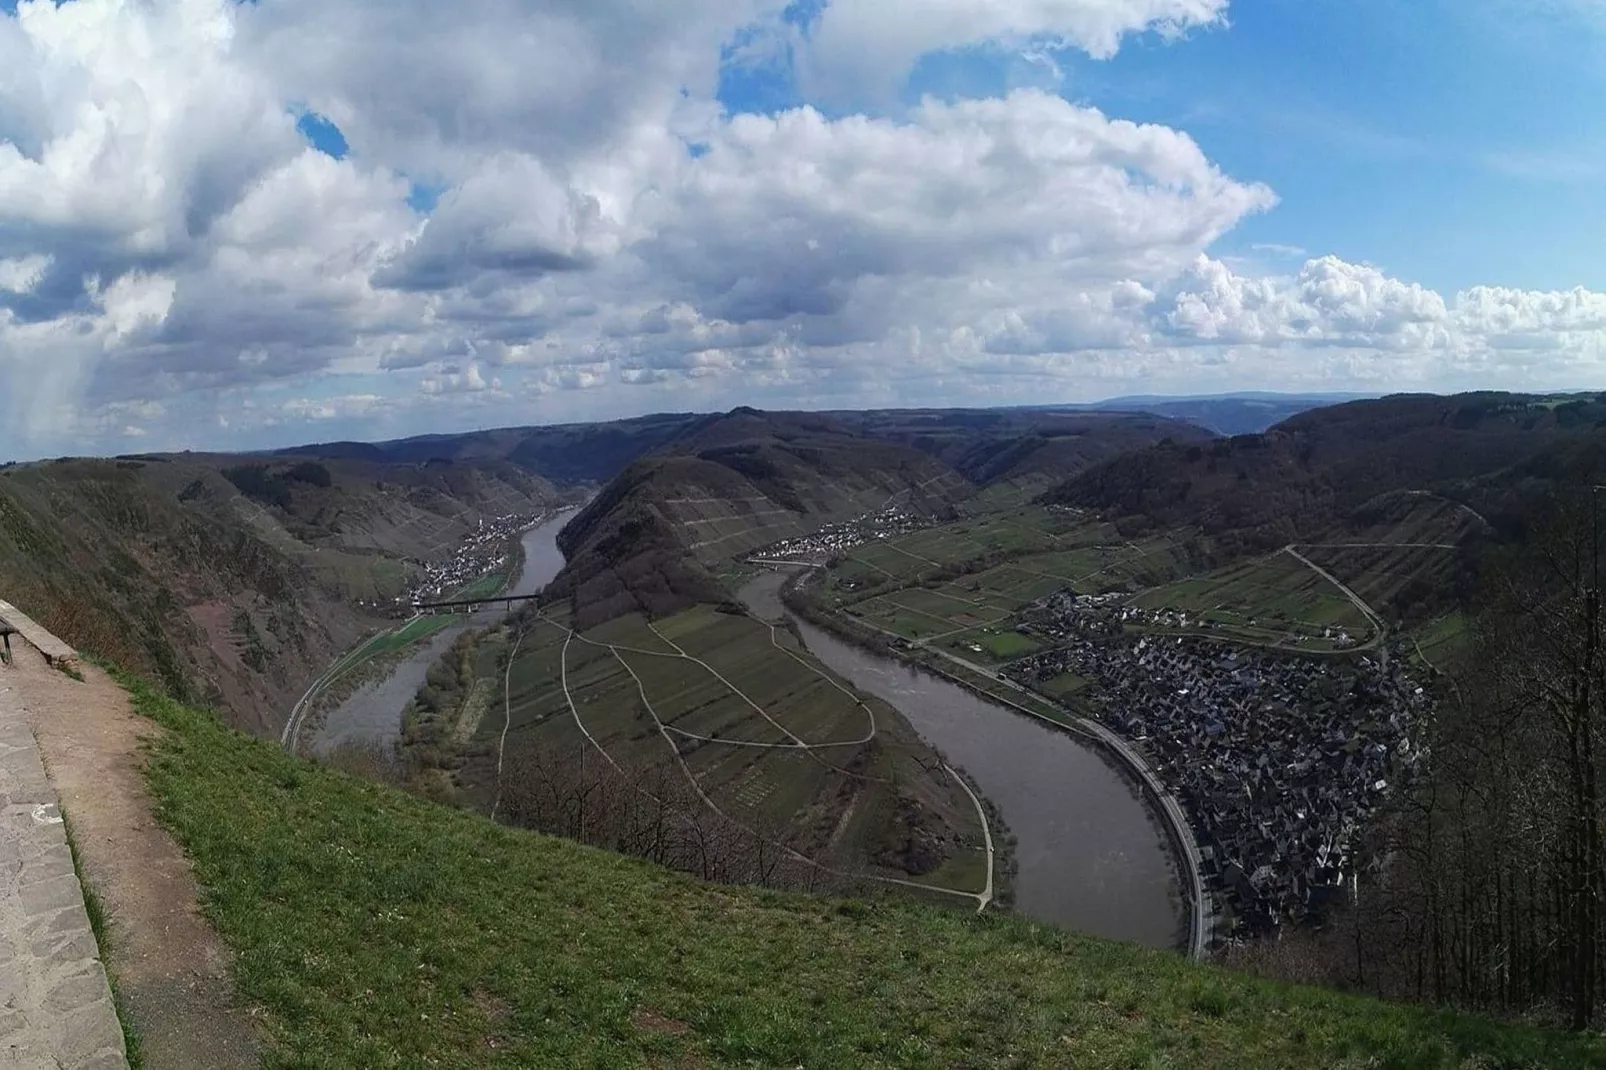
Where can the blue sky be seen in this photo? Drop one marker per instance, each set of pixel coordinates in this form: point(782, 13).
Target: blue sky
point(235, 224)
point(1453, 143)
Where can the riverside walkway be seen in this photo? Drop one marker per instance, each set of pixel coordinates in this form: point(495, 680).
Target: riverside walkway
point(56, 1007)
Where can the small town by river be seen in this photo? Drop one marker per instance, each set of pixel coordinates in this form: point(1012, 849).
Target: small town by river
point(1089, 855)
point(372, 715)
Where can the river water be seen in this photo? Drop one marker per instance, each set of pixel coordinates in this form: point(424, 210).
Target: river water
point(373, 713)
point(1090, 857)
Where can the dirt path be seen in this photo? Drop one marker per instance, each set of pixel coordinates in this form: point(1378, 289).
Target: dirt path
point(170, 968)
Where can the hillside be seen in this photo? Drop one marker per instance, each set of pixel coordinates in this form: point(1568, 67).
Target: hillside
point(724, 485)
point(564, 453)
point(1016, 453)
point(370, 928)
point(1228, 414)
point(233, 580)
point(1258, 492)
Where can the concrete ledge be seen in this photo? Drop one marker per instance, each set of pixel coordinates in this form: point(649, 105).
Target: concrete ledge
point(55, 651)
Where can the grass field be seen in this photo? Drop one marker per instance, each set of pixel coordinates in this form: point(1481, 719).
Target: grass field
point(487, 586)
point(368, 928)
point(992, 645)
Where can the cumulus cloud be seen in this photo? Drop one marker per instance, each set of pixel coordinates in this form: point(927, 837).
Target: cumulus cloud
point(544, 213)
point(865, 47)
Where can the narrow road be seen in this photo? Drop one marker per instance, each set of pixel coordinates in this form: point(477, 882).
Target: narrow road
point(1381, 628)
point(507, 719)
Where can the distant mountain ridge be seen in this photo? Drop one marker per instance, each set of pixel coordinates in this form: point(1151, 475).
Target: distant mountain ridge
point(1243, 413)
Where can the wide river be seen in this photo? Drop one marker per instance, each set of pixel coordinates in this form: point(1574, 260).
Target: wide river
point(373, 713)
point(1089, 855)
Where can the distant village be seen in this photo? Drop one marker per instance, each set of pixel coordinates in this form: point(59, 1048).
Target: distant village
point(833, 540)
point(483, 551)
point(1278, 758)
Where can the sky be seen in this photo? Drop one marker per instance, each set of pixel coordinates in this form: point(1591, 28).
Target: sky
point(231, 225)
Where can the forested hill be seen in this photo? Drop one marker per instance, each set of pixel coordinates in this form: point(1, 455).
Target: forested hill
point(1031, 449)
point(563, 453)
point(1258, 492)
point(234, 579)
point(727, 484)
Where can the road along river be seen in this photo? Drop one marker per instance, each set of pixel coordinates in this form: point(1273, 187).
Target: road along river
point(1089, 854)
point(373, 713)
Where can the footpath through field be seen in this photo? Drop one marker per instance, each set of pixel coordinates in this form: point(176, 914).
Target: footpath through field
point(55, 1005)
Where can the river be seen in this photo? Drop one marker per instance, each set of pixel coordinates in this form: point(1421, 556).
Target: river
point(1089, 854)
point(373, 713)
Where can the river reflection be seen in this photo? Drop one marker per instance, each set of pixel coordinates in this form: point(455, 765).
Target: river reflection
point(1089, 855)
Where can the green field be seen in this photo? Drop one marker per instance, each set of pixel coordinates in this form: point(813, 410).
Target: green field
point(485, 587)
point(1272, 599)
point(992, 645)
point(368, 928)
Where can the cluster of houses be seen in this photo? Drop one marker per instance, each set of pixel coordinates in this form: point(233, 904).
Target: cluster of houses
point(1278, 758)
point(833, 540)
point(480, 553)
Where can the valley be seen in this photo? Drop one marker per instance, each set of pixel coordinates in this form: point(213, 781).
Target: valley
point(1110, 673)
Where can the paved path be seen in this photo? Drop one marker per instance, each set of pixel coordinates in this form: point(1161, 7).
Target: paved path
point(55, 1005)
point(1381, 629)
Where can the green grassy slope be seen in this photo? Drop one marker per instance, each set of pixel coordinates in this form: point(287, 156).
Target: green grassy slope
point(376, 930)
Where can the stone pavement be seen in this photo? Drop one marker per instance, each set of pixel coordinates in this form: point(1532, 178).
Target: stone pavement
point(56, 1008)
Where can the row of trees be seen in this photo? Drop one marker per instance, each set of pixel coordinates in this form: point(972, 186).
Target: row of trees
point(651, 812)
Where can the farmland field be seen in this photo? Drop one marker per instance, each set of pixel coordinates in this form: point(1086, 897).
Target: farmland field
point(767, 735)
point(1270, 597)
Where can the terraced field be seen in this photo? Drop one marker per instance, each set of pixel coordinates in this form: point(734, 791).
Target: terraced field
point(766, 734)
point(958, 585)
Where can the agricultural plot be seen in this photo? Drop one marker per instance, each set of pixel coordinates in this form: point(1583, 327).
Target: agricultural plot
point(485, 587)
point(1269, 600)
point(766, 734)
point(1065, 685)
point(991, 645)
point(1402, 581)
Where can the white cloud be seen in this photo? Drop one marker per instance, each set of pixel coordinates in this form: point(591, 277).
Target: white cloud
point(175, 258)
point(865, 48)
point(21, 274)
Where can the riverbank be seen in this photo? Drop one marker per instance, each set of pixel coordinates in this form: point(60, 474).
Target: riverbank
point(370, 715)
point(1087, 854)
point(1164, 812)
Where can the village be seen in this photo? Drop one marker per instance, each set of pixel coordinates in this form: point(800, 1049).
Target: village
point(834, 540)
point(1278, 758)
point(480, 553)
